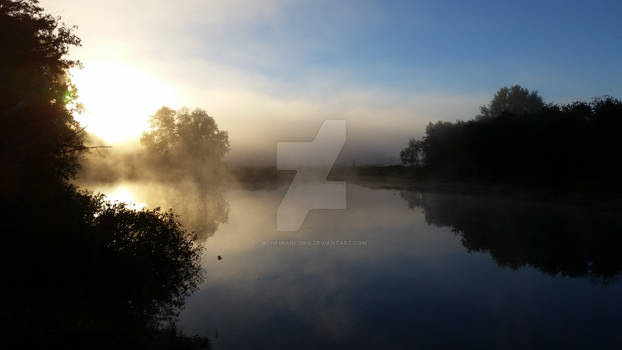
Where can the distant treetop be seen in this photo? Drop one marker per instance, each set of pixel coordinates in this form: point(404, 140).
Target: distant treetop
point(515, 100)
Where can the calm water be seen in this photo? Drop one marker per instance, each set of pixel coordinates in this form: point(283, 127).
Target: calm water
point(402, 269)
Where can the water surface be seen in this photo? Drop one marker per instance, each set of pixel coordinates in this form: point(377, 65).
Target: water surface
point(400, 269)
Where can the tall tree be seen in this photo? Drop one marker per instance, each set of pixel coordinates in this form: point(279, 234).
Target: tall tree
point(185, 143)
point(39, 138)
point(93, 274)
point(515, 100)
point(413, 154)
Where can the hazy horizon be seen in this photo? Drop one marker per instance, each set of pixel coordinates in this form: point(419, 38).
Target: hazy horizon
point(273, 71)
point(311, 174)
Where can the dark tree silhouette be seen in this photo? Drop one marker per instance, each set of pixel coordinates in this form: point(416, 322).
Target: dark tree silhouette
point(413, 154)
point(79, 272)
point(561, 145)
point(85, 270)
point(39, 137)
point(514, 100)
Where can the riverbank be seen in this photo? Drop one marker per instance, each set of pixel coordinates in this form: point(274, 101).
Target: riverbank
point(403, 178)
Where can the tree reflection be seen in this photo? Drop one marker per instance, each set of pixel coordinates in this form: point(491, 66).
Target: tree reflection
point(573, 241)
point(200, 209)
point(180, 165)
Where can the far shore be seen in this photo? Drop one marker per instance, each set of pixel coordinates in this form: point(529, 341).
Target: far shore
point(402, 178)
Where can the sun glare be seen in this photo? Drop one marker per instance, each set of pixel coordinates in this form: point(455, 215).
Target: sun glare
point(118, 99)
point(123, 194)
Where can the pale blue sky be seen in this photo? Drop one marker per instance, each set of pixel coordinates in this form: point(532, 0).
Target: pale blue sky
point(272, 70)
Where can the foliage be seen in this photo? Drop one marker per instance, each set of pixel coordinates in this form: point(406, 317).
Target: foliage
point(575, 143)
point(93, 269)
point(513, 100)
point(187, 148)
point(152, 253)
point(413, 154)
point(185, 143)
point(82, 272)
point(38, 134)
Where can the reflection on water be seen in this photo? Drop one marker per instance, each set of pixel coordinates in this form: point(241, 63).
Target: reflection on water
point(199, 209)
point(574, 241)
point(423, 269)
point(423, 277)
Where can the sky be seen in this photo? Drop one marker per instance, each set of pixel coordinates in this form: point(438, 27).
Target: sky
point(271, 71)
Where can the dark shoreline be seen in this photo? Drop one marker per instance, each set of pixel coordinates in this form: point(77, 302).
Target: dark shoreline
point(599, 195)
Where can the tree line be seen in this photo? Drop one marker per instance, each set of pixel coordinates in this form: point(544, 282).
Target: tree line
point(519, 139)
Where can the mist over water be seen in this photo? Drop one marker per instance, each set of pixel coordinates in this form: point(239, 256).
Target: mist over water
point(348, 174)
point(200, 212)
point(421, 268)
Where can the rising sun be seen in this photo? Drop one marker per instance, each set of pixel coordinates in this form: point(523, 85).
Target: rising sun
point(118, 99)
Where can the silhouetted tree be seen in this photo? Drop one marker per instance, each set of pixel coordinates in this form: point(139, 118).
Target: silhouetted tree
point(573, 144)
point(79, 272)
point(153, 253)
point(413, 154)
point(514, 100)
point(38, 135)
point(185, 143)
point(182, 157)
point(187, 148)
